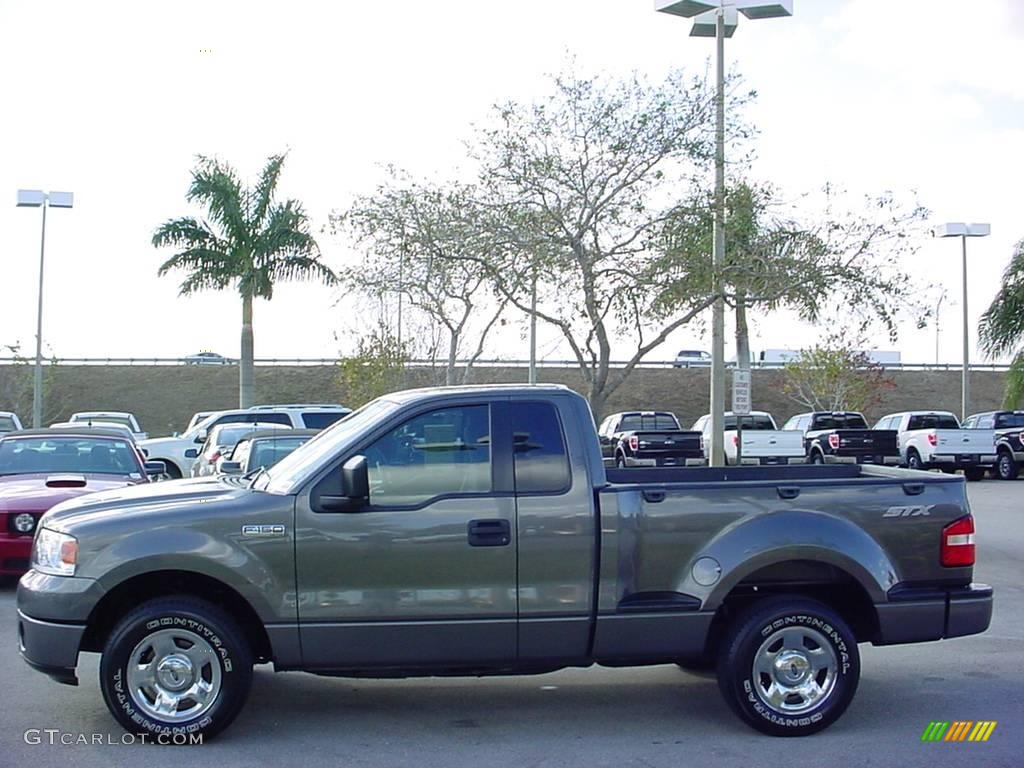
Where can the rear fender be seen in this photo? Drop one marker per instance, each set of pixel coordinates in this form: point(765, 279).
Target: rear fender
point(757, 542)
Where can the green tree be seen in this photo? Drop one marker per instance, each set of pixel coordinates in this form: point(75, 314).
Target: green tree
point(377, 367)
point(1001, 330)
point(834, 376)
point(16, 386)
point(248, 241)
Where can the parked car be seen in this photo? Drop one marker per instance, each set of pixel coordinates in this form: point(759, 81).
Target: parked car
point(180, 452)
point(9, 422)
point(648, 439)
point(207, 358)
point(222, 439)
point(692, 358)
point(1009, 432)
point(763, 442)
point(843, 437)
point(475, 530)
point(41, 467)
point(261, 450)
point(110, 417)
point(934, 440)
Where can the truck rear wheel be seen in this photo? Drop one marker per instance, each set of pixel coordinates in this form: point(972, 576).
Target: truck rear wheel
point(789, 666)
point(176, 666)
point(1006, 467)
point(914, 460)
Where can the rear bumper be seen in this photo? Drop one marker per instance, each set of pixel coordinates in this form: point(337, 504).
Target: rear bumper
point(920, 615)
point(633, 461)
point(889, 461)
point(770, 461)
point(50, 648)
point(960, 460)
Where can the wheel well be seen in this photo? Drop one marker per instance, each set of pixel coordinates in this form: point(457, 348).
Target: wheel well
point(133, 592)
point(172, 466)
point(805, 578)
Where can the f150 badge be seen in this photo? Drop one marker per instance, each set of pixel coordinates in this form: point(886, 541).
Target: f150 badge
point(913, 511)
point(263, 531)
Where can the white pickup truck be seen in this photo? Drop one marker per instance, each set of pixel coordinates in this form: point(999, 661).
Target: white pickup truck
point(763, 442)
point(935, 440)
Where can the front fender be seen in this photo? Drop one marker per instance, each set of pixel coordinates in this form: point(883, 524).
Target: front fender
point(785, 536)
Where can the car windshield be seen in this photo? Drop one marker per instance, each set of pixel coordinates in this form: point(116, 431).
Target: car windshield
point(7, 424)
point(49, 454)
point(1005, 420)
point(294, 468)
point(230, 434)
point(266, 452)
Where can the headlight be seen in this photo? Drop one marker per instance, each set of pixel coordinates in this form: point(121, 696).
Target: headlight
point(24, 523)
point(54, 553)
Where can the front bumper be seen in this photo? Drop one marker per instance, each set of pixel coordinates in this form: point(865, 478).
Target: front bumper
point(15, 552)
point(920, 615)
point(50, 648)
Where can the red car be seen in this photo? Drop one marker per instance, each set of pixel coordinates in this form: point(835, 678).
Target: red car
point(42, 467)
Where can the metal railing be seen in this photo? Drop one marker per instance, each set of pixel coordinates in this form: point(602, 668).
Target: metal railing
point(490, 363)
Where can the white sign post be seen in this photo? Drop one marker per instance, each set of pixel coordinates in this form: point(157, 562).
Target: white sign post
point(740, 406)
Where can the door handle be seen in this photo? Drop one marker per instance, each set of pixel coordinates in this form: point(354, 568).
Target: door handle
point(489, 533)
point(788, 491)
point(653, 497)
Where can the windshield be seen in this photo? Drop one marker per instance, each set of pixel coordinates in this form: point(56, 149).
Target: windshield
point(840, 421)
point(44, 455)
point(7, 424)
point(229, 434)
point(754, 421)
point(654, 421)
point(307, 458)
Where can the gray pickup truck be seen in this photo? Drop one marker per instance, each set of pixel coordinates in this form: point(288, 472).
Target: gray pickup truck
point(475, 531)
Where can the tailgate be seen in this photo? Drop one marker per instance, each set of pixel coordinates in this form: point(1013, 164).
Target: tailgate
point(660, 444)
point(965, 441)
point(867, 442)
point(766, 443)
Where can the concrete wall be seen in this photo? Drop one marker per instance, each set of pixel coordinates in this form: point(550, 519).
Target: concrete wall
point(165, 397)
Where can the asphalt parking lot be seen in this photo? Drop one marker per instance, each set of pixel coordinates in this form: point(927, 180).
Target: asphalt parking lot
point(655, 716)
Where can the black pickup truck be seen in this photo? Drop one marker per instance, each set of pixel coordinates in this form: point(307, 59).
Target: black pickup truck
point(1009, 427)
point(648, 439)
point(843, 437)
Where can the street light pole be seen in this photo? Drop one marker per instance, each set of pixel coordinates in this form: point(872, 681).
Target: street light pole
point(963, 231)
point(37, 381)
point(532, 376)
point(716, 457)
point(718, 18)
point(36, 198)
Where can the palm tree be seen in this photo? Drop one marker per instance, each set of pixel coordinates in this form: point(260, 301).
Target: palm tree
point(248, 241)
point(1001, 330)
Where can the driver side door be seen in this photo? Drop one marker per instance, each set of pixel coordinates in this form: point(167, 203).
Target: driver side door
point(424, 575)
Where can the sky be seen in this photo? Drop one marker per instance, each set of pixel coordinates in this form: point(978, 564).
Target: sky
point(112, 101)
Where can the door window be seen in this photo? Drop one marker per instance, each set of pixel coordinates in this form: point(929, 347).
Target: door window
point(446, 452)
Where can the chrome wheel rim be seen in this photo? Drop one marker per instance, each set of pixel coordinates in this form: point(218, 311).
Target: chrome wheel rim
point(173, 675)
point(795, 670)
point(1005, 466)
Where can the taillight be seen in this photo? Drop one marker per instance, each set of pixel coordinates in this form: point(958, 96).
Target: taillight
point(933, 439)
point(833, 442)
point(735, 441)
point(958, 543)
point(634, 443)
point(214, 457)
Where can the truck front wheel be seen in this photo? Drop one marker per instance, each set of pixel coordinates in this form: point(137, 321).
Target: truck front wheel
point(789, 666)
point(173, 667)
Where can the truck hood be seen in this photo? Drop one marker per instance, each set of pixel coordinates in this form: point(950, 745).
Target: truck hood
point(30, 493)
point(141, 499)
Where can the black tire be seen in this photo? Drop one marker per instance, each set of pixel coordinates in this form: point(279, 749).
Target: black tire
point(974, 474)
point(1006, 468)
point(752, 635)
point(914, 460)
point(172, 469)
point(620, 461)
point(185, 617)
point(817, 457)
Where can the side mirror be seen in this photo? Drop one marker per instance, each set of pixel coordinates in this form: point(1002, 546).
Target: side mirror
point(230, 467)
point(200, 436)
point(355, 478)
point(191, 453)
point(155, 467)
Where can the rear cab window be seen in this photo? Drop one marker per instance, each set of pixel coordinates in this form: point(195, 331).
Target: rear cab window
point(320, 419)
point(541, 463)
